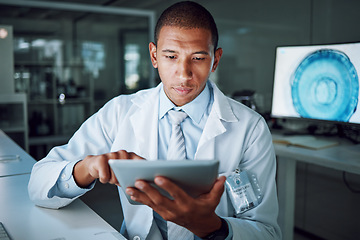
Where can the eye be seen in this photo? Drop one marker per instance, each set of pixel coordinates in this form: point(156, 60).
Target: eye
point(198, 58)
point(170, 56)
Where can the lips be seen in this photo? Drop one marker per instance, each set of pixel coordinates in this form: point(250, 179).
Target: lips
point(182, 90)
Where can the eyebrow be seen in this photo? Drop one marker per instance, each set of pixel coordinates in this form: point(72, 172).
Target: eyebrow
point(202, 52)
point(168, 50)
point(172, 51)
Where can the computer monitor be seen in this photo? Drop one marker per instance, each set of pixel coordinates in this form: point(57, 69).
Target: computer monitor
point(318, 82)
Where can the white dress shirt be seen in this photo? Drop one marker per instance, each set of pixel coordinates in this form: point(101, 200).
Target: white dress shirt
point(198, 112)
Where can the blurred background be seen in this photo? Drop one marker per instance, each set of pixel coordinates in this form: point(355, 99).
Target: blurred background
point(72, 57)
point(64, 60)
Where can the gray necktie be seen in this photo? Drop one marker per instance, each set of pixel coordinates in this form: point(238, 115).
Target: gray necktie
point(176, 147)
point(177, 151)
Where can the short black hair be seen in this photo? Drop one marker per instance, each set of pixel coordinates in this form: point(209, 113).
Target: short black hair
point(188, 15)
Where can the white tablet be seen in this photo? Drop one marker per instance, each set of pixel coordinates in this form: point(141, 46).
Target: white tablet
point(194, 176)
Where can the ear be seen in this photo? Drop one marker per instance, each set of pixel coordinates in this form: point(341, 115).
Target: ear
point(218, 54)
point(153, 57)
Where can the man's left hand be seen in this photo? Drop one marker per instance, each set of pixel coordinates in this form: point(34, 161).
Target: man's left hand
point(196, 214)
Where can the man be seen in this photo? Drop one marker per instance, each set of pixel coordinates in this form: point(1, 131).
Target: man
point(138, 126)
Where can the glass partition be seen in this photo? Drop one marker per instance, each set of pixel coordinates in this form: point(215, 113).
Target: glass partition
point(71, 59)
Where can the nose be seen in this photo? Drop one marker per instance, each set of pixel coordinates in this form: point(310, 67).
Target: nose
point(184, 71)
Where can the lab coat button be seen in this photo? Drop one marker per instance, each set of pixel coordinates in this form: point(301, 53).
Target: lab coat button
point(136, 238)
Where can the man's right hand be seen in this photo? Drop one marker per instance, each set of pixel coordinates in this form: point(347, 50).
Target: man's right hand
point(96, 167)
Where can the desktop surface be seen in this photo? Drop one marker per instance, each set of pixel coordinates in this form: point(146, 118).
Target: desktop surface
point(344, 155)
point(13, 159)
point(23, 220)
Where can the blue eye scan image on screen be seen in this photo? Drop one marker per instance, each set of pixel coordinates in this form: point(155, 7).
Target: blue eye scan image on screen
point(317, 82)
point(325, 85)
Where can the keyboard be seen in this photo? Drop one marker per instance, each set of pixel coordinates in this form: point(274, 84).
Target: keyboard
point(3, 234)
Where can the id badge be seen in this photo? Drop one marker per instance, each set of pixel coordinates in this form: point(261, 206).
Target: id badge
point(243, 190)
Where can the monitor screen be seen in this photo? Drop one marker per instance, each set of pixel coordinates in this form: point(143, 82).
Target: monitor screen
point(317, 82)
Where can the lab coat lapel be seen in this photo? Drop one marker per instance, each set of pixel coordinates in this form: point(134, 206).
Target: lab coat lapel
point(144, 122)
point(220, 113)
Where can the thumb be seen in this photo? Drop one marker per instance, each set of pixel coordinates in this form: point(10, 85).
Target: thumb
point(218, 187)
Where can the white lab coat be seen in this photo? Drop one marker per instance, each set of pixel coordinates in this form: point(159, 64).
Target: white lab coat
point(233, 134)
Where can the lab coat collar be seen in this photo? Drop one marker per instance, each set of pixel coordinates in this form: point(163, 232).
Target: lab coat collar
point(222, 106)
point(220, 113)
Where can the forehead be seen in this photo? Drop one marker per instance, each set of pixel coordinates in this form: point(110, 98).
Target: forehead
point(185, 37)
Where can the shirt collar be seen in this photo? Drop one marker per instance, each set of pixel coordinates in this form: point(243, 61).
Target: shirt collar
point(194, 109)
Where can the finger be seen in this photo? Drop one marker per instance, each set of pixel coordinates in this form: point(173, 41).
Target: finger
point(157, 198)
point(104, 170)
point(104, 175)
point(135, 156)
point(133, 193)
point(122, 154)
point(113, 179)
point(139, 196)
point(218, 188)
point(174, 190)
point(103, 178)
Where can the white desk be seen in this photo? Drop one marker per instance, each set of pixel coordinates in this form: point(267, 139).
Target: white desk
point(343, 157)
point(9, 147)
point(23, 220)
